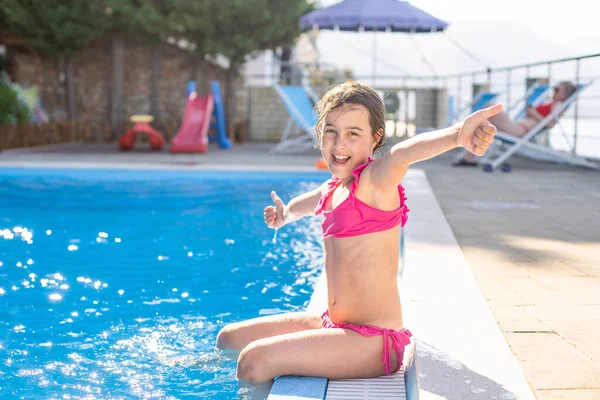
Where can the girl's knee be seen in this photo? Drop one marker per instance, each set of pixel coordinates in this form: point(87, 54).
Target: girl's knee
point(225, 338)
point(254, 363)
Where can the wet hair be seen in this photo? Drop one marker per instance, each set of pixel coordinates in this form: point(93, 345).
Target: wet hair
point(353, 93)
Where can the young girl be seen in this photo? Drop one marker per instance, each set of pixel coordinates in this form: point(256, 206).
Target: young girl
point(363, 208)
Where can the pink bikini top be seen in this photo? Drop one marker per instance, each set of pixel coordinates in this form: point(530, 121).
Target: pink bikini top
point(354, 217)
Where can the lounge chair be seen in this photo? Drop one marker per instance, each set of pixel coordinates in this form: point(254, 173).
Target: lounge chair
point(481, 99)
point(533, 96)
point(299, 102)
point(526, 146)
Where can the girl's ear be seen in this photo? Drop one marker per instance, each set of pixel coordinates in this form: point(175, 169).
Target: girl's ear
point(377, 139)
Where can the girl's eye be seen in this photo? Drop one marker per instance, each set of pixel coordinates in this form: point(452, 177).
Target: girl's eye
point(329, 131)
point(353, 133)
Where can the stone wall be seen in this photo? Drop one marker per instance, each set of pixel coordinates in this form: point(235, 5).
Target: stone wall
point(30, 69)
point(267, 115)
point(428, 109)
point(442, 107)
point(93, 71)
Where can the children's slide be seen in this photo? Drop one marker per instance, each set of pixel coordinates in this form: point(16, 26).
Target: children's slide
point(192, 136)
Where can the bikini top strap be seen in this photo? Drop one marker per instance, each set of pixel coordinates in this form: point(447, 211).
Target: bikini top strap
point(356, 173)
point(332, 184)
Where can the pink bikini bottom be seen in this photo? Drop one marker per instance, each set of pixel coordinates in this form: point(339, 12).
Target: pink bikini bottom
point(400, 339)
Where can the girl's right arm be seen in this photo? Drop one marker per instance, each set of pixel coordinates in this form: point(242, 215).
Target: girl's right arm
point(279, 214)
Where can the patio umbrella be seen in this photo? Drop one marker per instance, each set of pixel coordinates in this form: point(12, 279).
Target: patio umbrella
point(373, 15)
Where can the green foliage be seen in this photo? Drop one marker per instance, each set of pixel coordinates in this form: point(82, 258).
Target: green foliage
point(232, 28)
point(238, 28)
point(140, 17)
point(255, 25)
point(55, 27)
point(12, 109)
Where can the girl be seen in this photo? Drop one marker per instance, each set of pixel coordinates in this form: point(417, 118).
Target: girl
point(363, 208)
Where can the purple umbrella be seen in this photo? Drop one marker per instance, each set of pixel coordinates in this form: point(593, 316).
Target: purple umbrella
point(373, 15)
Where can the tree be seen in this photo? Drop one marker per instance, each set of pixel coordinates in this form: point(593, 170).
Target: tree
point(235, 30)
point(243, 28)
point(191, 23)
point(57, 30)
point(12, 109)
point(149, 19)
point(248, 26)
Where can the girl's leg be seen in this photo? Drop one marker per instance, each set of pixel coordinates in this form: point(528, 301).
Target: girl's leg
point(330, 353)
point(238, 335)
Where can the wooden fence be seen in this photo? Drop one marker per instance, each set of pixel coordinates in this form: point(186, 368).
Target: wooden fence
point(30, 135)
point(18, 136)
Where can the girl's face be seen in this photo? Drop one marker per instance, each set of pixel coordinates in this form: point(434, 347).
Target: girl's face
point(347, 139)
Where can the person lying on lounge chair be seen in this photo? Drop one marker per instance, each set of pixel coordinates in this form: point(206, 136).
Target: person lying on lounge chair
point(533, 115)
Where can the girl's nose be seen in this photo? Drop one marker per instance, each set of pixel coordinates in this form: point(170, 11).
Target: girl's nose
point(339, 142)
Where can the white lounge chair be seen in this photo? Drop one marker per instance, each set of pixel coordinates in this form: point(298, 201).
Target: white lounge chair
point(527, 147)
point(534, 96)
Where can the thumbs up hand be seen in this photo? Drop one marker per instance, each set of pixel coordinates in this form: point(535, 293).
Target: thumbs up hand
point(274, 214)
point(477, 133)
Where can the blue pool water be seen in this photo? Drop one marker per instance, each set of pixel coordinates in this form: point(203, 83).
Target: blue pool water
point(114, 284)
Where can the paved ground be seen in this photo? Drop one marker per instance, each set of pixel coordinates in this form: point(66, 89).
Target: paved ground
point(531, 238)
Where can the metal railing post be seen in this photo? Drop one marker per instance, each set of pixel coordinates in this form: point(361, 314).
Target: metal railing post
point(508, 87)
point(576, 111)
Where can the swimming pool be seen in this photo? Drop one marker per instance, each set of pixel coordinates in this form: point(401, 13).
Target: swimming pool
point(114, 283)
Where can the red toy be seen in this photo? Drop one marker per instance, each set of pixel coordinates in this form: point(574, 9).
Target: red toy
point(142, 125)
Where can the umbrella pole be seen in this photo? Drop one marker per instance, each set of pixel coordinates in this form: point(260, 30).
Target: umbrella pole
point(374, 69)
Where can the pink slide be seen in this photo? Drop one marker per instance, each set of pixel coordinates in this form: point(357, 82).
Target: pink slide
point(192, 136)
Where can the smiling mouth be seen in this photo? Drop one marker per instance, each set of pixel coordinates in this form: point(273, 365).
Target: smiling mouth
point(339, 161)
